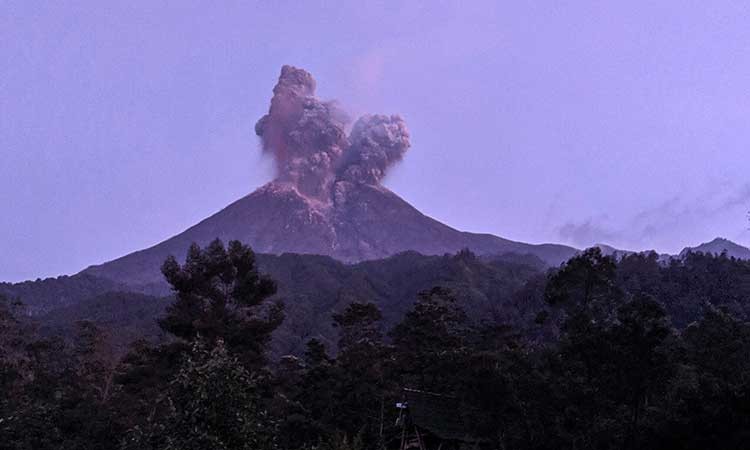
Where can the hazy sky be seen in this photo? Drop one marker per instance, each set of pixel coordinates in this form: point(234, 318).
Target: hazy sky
point(575, 122)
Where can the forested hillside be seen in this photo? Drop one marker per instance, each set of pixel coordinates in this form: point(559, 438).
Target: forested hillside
point(599, 354)
point(507, 288)
point(311, 287)
point(44, 295)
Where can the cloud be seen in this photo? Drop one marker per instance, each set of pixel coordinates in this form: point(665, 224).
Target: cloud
point(671, 225)
point(586, 234)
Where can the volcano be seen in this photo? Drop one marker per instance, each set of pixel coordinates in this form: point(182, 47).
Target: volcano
point(327, 197)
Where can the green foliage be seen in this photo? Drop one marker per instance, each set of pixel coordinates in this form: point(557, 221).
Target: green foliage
point(598, 354)
point(95, 361)
point(51, 293)
point(308, 407)
point(212, 400)
point(316, 287)
point(218, 294)
point(708, 400)
point(585, 285)
point(212, 403)
point(430, 343)
point(51, 406)
point(361, 381)
point(125, 317)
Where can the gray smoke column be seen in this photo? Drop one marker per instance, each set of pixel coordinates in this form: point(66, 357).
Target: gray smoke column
point(305, 135)
point(377, 142)
point(307, 138)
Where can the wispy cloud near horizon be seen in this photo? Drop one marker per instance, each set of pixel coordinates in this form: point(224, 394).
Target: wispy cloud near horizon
point(677, 222)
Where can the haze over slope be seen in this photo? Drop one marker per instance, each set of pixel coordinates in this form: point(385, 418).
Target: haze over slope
point(327, 197)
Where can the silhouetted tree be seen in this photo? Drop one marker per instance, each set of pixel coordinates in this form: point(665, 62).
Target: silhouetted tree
point(361, 388)
point(430, 342)
point(708, 403)
point(219, 294)
point(586, 284)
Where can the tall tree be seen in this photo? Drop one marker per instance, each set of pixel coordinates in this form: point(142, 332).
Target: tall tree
point(95, 359)
point(641, 366)
point(361, 391)
point(586, 284)
point(219, 296)
point(430, 343)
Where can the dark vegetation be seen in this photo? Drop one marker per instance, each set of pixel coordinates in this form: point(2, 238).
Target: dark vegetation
point(313, 288)
point(52, 293)
point(598, 354)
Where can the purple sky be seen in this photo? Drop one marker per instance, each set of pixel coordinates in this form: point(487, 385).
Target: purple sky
point(574, 122)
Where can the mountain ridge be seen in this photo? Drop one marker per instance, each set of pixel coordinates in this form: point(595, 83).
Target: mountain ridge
point(718, 246)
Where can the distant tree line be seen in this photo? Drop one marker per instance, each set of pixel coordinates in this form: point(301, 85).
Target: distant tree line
point(597, 354)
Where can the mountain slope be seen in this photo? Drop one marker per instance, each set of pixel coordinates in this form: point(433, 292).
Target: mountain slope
point(374, 223)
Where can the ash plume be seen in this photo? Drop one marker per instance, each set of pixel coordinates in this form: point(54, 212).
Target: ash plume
point(308, 140)
point(377, 142)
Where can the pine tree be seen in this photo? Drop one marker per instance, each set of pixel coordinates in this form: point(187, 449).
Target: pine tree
point(220, 295)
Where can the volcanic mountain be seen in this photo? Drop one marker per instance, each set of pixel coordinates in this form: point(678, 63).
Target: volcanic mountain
point(327, 197)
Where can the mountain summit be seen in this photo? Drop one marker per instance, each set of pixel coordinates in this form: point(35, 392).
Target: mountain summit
point(327, 197)
point(719, 246)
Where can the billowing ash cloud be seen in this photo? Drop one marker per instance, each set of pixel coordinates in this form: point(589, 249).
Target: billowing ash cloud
point(307, 138)
point(377, 142)
point(305, 135)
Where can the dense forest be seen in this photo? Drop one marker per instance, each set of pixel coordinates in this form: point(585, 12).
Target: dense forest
point(313, 288)
point(600, 353)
